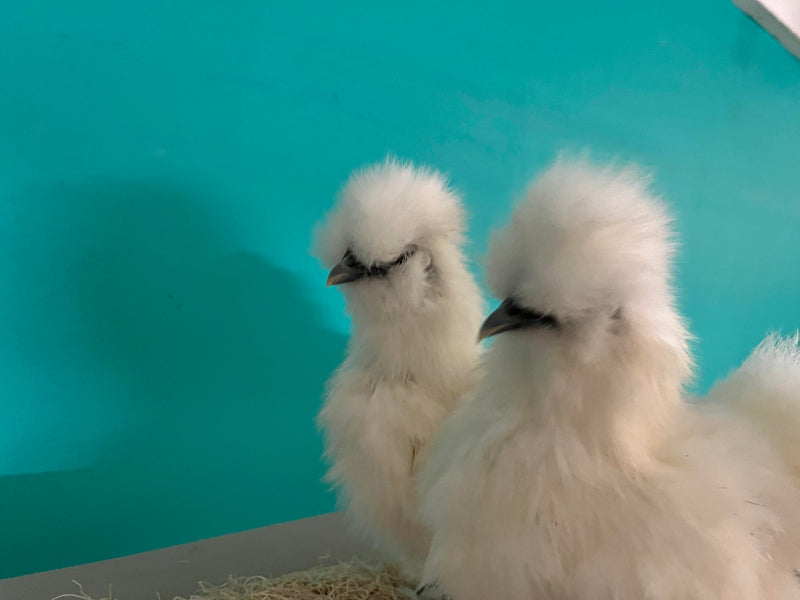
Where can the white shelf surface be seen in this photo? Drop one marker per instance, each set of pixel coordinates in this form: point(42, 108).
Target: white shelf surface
point(273, 550)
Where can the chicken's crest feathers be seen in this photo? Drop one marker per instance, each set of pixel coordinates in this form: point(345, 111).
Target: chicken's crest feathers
point(385, 208)
point(582, 238)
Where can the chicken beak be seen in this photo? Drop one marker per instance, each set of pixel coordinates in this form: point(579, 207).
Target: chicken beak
point(498, 322)
point(507, 317)
point(343, 273)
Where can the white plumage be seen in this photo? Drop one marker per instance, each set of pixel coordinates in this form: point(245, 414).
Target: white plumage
point(415, 311)
point(578, 472)
point(766, 391)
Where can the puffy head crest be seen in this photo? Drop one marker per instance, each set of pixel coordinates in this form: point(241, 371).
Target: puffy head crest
point(385, 208)
point(584, 239)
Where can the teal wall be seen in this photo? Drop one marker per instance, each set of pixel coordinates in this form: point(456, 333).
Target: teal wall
point(164, 335)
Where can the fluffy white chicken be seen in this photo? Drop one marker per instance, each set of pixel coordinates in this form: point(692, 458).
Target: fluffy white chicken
point(393, 242)
point(578, 471)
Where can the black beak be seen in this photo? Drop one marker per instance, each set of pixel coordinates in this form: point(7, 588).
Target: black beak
point(343, 273)
point(510, 316)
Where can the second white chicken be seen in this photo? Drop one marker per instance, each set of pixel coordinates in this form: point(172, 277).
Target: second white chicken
point(393, 243)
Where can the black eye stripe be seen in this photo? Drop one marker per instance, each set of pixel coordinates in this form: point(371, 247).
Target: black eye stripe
point(350, 259)
point(404, 256)
point(378, 269)
point(515, 310)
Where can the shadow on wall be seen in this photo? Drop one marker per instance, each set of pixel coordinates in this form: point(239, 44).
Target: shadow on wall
point(219, 362)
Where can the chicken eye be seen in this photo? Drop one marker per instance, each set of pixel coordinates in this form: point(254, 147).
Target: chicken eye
point(515, 310)
point(404, 256)
point(377, 271)
point(350, 259)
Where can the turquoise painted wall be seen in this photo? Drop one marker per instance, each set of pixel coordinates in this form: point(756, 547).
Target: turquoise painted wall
point(164, 336)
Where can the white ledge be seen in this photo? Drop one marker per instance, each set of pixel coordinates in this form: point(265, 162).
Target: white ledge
point(177, 570)
point(781, 18)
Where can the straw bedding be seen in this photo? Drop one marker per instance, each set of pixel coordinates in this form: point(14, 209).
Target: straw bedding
point(354, 580)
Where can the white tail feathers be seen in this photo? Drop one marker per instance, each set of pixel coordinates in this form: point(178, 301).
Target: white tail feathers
point(766, 391)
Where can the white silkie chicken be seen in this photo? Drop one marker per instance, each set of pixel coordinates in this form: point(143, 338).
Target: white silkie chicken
point(393, 242)
point(578, 471)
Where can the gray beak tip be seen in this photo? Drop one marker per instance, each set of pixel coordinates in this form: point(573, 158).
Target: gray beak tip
point(488, 331)
point(341, 273)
